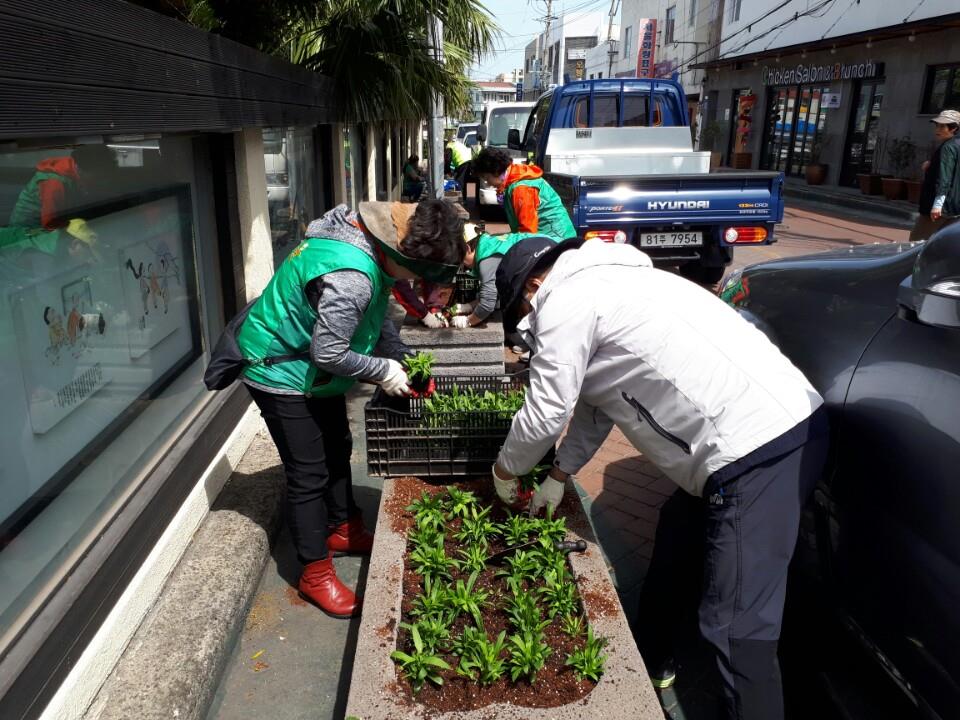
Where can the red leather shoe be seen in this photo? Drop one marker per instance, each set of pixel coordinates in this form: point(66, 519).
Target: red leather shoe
point(320, 585)
point(350, 538)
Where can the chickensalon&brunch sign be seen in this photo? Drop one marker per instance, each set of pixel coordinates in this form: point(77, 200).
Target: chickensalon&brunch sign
point(802, 74)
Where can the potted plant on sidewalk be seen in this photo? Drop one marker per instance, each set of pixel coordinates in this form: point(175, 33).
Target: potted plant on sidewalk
point(816, 171)
point(871, 182)
point(711, 133)
point(915, 184)
point(901, 151)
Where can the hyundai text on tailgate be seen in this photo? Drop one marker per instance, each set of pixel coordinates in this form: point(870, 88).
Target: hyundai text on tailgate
point(619, 154)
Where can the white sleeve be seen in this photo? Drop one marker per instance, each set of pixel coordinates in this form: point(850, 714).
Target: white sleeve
point(564, 339)
point(588, 429)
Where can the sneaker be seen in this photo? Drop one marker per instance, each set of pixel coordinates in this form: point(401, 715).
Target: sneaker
point(665, 675)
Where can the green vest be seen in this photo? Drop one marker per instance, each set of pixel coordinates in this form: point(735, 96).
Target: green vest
point(281, 321)
point(459, 153)
point(490, 245)
point(26, 211)
point(553, 218)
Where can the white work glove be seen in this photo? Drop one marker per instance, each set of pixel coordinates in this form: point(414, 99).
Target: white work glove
point(396, 382)
point(462, 308)
point(507, 490)
point(549, 492)
point(460, 322)
point(434, 320)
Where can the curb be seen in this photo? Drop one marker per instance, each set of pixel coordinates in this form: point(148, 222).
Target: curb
point(173, 664)
point(852, 205)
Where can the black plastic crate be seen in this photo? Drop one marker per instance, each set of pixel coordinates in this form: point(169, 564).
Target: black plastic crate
point(466, 287)
point(399, 442)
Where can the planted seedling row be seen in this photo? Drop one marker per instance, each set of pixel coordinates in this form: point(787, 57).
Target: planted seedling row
point(477, 630)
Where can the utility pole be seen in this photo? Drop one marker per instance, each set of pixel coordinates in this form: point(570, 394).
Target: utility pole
point(435, 131)
point(547, 45)
point(611, 52)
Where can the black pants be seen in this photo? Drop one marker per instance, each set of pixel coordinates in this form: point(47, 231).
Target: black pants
point(460, 174)
point(314, 441)
point(741, 539)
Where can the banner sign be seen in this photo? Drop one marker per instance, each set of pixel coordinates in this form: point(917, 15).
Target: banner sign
point(646, 47)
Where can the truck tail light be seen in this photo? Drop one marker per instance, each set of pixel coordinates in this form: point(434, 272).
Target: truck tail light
point(744, 235)
point(610, 236)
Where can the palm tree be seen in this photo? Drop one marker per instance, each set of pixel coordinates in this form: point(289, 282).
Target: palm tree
point(378, 53)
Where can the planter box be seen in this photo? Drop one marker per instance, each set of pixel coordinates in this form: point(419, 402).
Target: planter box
point(913, 190)
point(871, 184)
point(624, 689)
point(893, 188)
point(816, 173)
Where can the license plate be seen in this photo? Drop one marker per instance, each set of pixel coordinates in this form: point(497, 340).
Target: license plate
point(671, 239)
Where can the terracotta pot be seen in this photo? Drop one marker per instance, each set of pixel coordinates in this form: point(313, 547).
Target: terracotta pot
point(893, 188)
point(715, 159)
point(870, 184)
point(913, 190)
point(816, 173)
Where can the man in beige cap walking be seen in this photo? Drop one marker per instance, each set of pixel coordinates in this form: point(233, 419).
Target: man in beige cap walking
point(939, 204)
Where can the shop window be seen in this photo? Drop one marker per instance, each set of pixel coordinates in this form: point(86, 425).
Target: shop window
point(733, 10)
point(100, 317)
point(669, 25)
point(290, 161)
point(942, 89)
point(692, 16)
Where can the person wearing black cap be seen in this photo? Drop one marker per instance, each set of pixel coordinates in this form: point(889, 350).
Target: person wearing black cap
point(326, 306)
point(702, 394)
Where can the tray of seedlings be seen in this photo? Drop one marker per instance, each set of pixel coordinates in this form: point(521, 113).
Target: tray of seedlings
point(456, 431)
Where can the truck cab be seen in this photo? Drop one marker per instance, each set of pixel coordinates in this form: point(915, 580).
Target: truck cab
point(619, 154)
point(498, 120)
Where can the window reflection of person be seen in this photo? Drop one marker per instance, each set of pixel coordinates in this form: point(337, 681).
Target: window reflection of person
point(40, 217)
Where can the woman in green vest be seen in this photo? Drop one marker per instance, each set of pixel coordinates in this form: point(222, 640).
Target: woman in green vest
point(328, 301)
point(531, 205)
point(484, 252)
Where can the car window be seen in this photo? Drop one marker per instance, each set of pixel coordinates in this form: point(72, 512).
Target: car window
point(635, 109)
point(606, 110)
point(581, 113)
point(470, 139)
point(502, 121)
point(537, 121)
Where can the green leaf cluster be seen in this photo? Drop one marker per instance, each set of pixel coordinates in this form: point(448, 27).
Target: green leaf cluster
point(422, 664)
point(588, 661)
point(419, 366)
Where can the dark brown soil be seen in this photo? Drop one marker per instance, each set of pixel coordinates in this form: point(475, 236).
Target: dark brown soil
point(555, 685)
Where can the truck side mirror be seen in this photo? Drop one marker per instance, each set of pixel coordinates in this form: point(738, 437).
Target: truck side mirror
point(481, 133)
point(932, 293)
point(513, 139)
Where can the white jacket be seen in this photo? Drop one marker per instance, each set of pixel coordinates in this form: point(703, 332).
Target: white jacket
point(691, 384)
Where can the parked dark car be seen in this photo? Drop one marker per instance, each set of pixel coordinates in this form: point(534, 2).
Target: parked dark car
point(877, 330)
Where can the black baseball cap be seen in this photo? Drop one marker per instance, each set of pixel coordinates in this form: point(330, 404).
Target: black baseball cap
point(519, 262)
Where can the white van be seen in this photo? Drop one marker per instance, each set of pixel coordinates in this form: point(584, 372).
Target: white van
point(498, 120)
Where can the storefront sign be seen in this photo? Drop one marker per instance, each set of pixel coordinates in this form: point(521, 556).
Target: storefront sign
point(646, 47)
point(577, 54)
point(802, 74)
point(831, 100)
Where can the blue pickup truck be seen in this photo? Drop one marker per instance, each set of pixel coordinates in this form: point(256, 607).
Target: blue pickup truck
point(619, 154)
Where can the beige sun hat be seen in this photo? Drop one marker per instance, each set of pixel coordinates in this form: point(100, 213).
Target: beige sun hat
point(947, 117)
point(389, 223)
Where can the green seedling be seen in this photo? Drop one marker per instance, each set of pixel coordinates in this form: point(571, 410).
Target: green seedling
point(472, 558)
point(486, 660)
point(560, 596)
point(525, 614)
point(432, 602)
point(588, 662)
point(433, 631)
point(523, 564)
point(528, 653)
point(516, 529)
point(549, 529)
point(460, 502)
point(428, 510)
point(469, 641)
point(477, 527)
point(531, 479)
point(419, 366)
point(421, 665)
point(456, 405)
point(572, 624)
point(426, 536)
point(431, 562)
point(465, 598)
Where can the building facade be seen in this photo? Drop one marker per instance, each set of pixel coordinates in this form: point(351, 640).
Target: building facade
point(852, 87)
point(151, 177)
point(561, 56)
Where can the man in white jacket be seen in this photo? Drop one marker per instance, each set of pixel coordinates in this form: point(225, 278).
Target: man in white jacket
point(702, 394)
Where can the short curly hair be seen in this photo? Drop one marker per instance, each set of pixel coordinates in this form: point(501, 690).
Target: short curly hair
point(491, 161)
point(435, 233)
